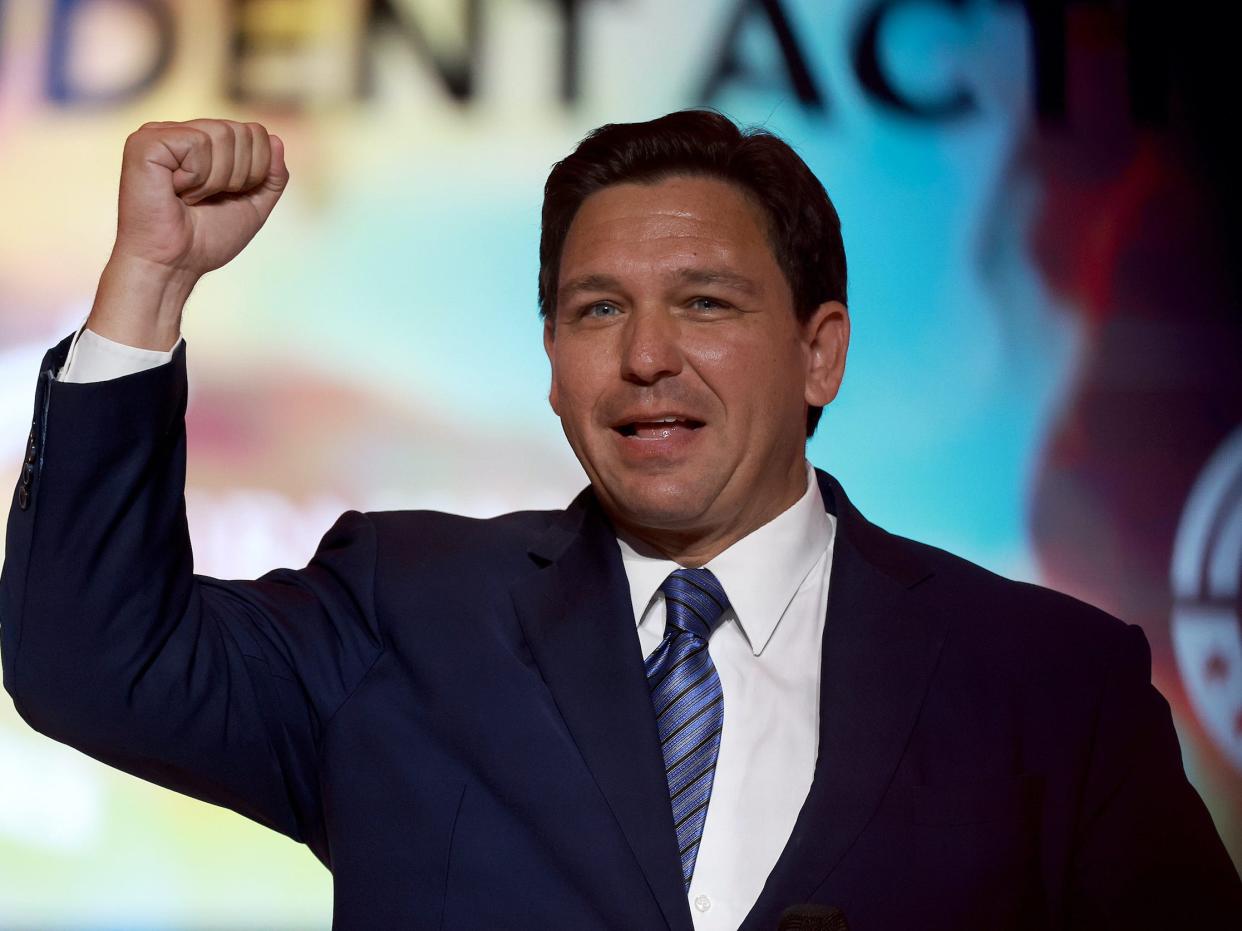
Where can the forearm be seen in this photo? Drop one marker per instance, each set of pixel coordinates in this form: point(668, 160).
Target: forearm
point(134, 325)
point(101, 542)
point(140, 304)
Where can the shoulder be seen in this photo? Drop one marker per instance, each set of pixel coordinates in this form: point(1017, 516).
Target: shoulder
point(1021, 629)
point(968, 585)
point(436, 540)
point(976, 604)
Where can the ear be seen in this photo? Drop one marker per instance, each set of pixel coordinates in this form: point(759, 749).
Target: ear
point(549, 344)
point(826, 336)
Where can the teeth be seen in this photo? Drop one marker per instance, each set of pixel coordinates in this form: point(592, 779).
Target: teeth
point(651, 426)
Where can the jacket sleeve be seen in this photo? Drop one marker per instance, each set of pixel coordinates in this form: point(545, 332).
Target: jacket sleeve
point(1146, 854)
point(111, 644)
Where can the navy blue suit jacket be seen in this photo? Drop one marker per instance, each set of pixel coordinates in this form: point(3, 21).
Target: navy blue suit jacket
point(452, 714)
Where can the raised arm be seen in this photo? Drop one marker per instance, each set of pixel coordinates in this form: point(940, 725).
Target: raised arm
point(218, 689)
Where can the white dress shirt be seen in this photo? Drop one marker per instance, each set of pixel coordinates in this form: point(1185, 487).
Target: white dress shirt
point(766, 650)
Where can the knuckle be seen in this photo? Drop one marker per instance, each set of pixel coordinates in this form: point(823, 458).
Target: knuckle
point(200, 138)
point(139, 142)
point(215, 131)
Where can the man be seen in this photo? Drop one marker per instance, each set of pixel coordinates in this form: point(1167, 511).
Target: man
point(705, 692)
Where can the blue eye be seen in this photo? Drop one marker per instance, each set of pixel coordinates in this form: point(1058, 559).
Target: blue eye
point(706, 303)
point(599, 309)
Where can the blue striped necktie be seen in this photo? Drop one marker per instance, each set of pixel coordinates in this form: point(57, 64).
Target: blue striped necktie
point(688, 701)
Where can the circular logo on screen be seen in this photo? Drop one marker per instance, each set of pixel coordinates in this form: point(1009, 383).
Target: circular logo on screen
point(1206, 577)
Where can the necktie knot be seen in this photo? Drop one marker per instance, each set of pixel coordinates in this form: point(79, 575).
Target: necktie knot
point(695, 601)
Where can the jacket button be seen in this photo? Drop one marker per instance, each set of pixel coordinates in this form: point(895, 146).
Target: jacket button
point(23, 498)
point(27, 475)
point(31, 449)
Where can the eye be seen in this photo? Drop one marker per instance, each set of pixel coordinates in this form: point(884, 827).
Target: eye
point(600, 309)
point(707, 303)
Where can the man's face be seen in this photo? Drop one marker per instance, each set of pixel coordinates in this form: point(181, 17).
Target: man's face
point(679, 371)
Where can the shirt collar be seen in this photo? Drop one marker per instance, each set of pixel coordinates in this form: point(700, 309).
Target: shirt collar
point(760, 573)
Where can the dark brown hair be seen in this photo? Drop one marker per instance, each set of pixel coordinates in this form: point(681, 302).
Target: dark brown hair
point(803, 226)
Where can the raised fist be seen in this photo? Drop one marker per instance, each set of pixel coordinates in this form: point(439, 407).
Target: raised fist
point(194, 194)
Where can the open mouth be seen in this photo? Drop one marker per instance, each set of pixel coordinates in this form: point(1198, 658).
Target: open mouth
point(657, 429)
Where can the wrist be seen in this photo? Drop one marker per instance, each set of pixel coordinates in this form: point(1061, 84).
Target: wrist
point(139, 303)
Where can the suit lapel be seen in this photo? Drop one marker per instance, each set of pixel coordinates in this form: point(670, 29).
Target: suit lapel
point(879, 652)
point(578, 621)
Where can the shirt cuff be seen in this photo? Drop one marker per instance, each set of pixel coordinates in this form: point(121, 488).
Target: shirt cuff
point(96, 358)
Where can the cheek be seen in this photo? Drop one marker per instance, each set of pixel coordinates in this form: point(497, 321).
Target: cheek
point(576, 384)
point(752, 378)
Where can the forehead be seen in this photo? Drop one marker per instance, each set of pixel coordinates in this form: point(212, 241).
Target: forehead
point(675, 223)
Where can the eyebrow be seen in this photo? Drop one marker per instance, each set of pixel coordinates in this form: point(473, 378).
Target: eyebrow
point(682, 276)
point(717, 276)
point(585, 283)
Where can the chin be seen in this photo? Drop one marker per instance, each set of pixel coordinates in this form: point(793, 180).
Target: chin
point(659, 502)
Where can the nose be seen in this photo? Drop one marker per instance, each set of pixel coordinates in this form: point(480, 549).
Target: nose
point(650, 349)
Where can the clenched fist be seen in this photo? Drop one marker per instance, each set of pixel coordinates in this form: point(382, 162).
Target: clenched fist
point(192, 196)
